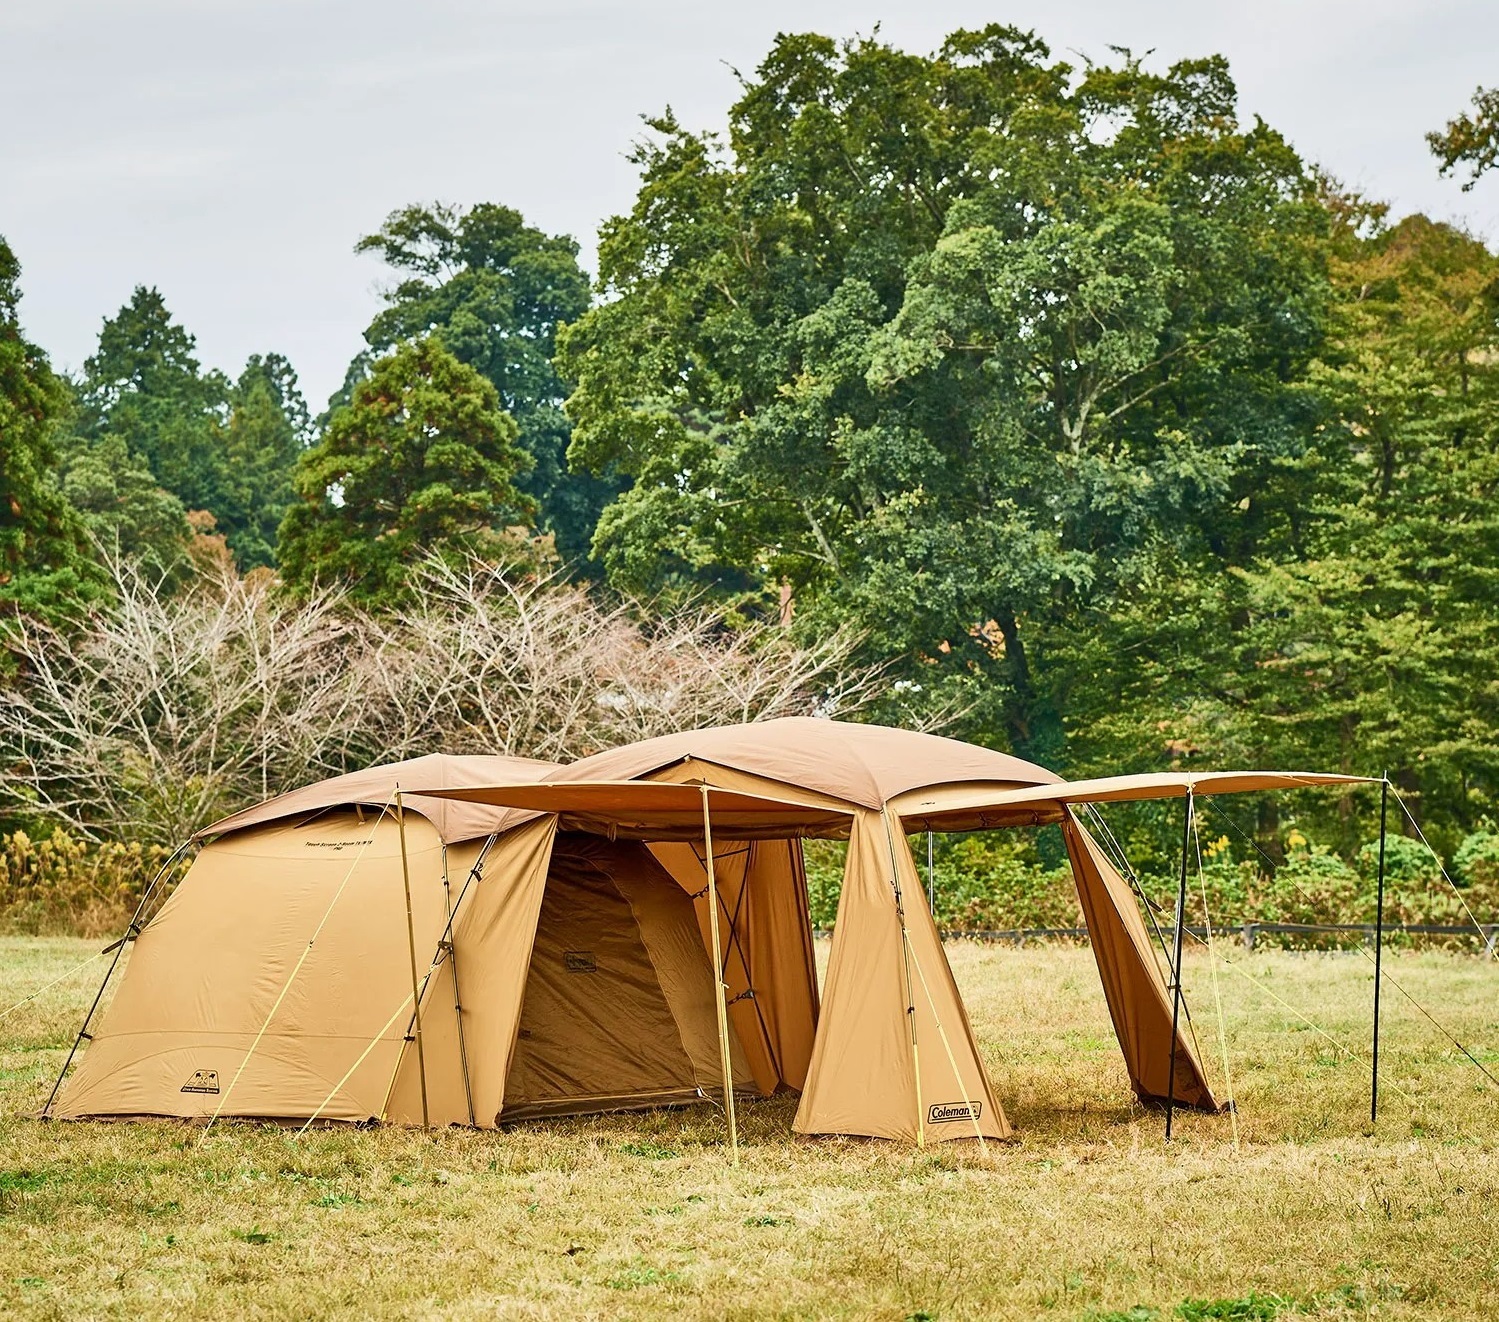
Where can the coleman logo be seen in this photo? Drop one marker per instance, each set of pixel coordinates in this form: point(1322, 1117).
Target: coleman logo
point(940, 1113)
point(202, 1081)
point(579, 961)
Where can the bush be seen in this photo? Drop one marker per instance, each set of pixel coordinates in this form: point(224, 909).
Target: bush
point(988, 881)
point(1476, 861)
point(64, 885)
point(1407, 863)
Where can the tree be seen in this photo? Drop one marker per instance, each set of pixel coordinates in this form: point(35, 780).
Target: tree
point(121, 504)
point(1367, 640)
point(170, 709)
point(1472, 139)
point(956, 347)
point(144, 384)
point(44, 554)
point(267, 431)
point(495, 290)
point(422, 459)
point(225, 448)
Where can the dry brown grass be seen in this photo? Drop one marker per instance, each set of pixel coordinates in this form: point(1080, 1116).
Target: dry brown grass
point(1087, 1214)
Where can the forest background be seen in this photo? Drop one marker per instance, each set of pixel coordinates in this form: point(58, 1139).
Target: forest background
point(1050, 406)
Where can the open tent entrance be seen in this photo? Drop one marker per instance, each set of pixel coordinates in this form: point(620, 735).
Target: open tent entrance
point(618, 1009)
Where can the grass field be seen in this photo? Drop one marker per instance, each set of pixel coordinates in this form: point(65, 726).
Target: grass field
point(1086, 1215)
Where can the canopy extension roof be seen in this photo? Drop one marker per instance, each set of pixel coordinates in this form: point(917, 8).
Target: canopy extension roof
point(968, 807)
point(659, 810)
point(415, 777)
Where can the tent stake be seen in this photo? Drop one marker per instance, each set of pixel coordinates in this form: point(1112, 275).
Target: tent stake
point(1384, 802)
point(416, 996)
point(134, 926)
point(1176, 960)
point(718, 985)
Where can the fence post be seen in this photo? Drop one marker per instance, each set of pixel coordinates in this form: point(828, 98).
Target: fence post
point(1249, 931)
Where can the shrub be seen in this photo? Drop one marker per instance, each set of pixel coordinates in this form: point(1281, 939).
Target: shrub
point(63, 884)
point(1476, 861)
point(1407, 863)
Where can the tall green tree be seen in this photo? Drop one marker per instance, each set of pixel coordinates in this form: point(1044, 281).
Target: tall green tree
point(495, 290)
point(955, 346)
point(227, 448)
point(265, 434)
point(423, 458)
point(144, 384)
point(1366, 640)
point(44, 553)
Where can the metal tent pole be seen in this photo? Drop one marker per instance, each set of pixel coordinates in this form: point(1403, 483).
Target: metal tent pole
point(1176, 960)
point(1384, 802)
point(416, 996)
point(931, 878)
point(718, 985)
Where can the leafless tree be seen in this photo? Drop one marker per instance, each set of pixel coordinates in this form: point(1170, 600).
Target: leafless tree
point(542, 668)
point(173, 708)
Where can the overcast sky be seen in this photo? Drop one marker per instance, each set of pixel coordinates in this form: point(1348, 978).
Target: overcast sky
point(231, 152)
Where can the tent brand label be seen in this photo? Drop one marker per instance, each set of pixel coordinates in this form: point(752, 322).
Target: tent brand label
point(202, 1081)
point(579, 961)
point(336, 844)
point(941, 1113)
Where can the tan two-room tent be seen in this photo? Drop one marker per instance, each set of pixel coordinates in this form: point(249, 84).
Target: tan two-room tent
point(557, 929)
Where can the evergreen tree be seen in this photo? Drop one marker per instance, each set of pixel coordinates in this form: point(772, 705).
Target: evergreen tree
point(422, 458)
point(227, 449)
point(45, 561)
point(144, 384)
point(266, 434)
point(496, 290)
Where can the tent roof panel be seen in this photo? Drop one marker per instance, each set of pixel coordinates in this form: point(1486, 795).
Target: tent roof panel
point(854, 763)
point(376, 786)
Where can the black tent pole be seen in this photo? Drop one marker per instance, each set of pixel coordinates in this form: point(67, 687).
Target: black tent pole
point(1176, 960)
point(1384, 801)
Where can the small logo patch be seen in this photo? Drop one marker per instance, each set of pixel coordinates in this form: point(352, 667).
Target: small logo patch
point(202, 1081)
point(941, 1113)
point(579, 961)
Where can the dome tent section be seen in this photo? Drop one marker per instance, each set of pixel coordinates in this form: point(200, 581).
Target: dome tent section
point(285, 937)
point(557, 974)
point(226, 1009)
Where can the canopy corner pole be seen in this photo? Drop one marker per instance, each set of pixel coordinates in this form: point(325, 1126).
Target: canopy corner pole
point(1384, 803)
point(1176, 960)
point(719, 989)
point(931, 876)
point(133, 928)
point(416, 997)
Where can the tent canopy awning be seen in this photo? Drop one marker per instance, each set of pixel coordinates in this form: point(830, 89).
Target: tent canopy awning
point(964, 808)
point(660, 810)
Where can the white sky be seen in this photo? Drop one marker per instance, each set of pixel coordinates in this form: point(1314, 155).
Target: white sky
point(230, 152)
